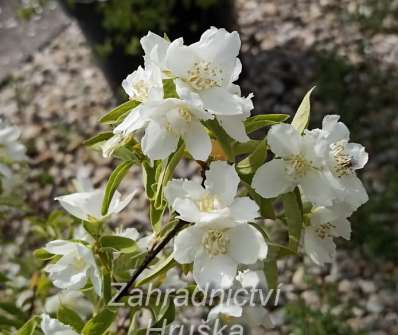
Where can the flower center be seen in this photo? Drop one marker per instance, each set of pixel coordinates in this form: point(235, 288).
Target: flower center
point(215, 242)
point(203, 75)
point(79, 263)
point(185, 113)
point(140, 90)
point(324, 230)
point(298, 166)
point(343, 161)
point(208, 203)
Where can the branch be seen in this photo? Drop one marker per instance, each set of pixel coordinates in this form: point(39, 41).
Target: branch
point(150, 257)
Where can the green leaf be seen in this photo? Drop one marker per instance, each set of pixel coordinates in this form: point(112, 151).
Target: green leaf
point(271, 273)
point(100, 137)
point(43, 254)
point(29, 327)
point(94, 228)
point(302, 116)
point(149, 175)
point(169, 89)
point(266, 208)
point(70, 317)
point(107, 284)
point(120, 243)
point(113, 183)
point(294, 217)
point(13, 310)
point(120, 111)
point(3, 278)
point(256, 122)
point(125, 262)
point(99, 323)
point(159, 270)
point(248, 166)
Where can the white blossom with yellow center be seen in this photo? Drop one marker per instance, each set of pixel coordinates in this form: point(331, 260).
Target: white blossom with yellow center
point(216, 249)
point(297, 163)
point(144, 84)
point(74, 268)
point(342, 158)
point(325, 223)
point(216, 200)
point(164, 123)
point(204, 73)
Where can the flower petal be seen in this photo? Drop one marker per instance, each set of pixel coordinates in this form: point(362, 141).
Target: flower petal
point(222, 180)
point(198, 141)
point(271, 179)
point(234, 126)
point(320, 250)
point(214, 272)
point(219, 101)
point(244, 209)
point(187, 244)
point(246, 244)
point(180, 58)
point(158, 142)
point(180, 188)
point(317, 188)
point(284, 140)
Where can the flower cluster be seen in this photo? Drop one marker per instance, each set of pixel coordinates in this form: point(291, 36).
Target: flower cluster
point(202, 75)
point(322, 163)
point(183, 104)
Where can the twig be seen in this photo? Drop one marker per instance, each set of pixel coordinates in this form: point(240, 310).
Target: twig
point(150, 257)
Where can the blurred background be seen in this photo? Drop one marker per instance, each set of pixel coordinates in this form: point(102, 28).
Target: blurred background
point(61, 64)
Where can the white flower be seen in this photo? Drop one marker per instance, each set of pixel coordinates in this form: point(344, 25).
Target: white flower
point(343, 159)
point(155, 49)
point(325, 224)
point(216, 249)
point(165, 122)
point(73, 300)
point(87, 205)
point(9, 143)
point(297, 163)
point(205, 72)
point(76, 266)
point(216, 200)
point(144, 85)
point(51, 326)
point(246, 311)
point(253, 316)
point(80, 233)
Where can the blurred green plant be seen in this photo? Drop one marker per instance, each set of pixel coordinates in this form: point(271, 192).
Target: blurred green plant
point(31, 8)
point(305, 320)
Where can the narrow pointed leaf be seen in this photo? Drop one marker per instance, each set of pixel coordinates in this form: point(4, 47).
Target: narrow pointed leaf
point(113, 183)
point(302, 116)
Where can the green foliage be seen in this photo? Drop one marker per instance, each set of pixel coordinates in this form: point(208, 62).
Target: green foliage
point(113, 183)
point(99, 323)
point(305, 320)
point(119, 243)
point(70, 317)
point(294, 217)
point(302, 116)
point(117, 114)
point(256, 122)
